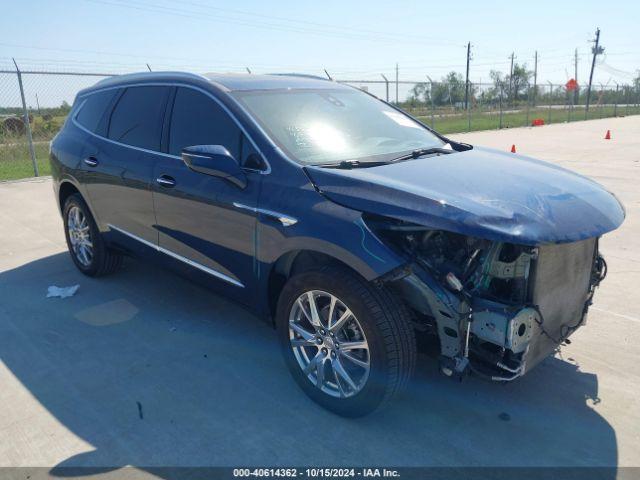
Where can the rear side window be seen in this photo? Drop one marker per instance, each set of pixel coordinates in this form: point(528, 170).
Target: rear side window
point(199, 120)
point(137, 117)
point(93, 110)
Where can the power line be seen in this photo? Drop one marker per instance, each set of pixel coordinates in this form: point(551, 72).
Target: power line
point(306, 22)
point(616, 71)
point(343, 32)
point(371, 69)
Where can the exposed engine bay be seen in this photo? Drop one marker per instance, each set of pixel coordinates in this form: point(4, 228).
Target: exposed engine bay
point(497, 308)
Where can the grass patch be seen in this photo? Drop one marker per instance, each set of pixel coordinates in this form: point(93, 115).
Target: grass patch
point(458, 123)
point(15, 160)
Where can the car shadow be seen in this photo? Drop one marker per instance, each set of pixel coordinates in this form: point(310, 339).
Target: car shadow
point(152, 370)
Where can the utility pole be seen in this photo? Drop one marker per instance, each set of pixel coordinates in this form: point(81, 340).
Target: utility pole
point(576, 92)
point(466, 88)
point(396, 84)
point(535, 78)
point(597, 50)
point(511, 76)
point(550, 101)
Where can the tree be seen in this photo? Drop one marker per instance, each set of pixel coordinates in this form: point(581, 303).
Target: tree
point(519, 83)
point(418, 94)
point(448, 91)
point(499, 88)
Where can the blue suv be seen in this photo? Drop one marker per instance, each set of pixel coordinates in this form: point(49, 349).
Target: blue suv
point(339, 218)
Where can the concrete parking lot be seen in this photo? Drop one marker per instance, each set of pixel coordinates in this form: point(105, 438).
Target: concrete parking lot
point(144, 368)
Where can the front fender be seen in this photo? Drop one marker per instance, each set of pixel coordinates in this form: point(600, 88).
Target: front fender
point(325, 228)
point(334, 231)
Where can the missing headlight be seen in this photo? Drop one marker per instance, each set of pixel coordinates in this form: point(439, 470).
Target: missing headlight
point(496, 307)
point(493, 270)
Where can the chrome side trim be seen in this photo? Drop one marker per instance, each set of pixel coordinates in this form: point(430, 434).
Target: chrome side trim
point(135, 237)
point(195, 155)
point(172, 84)
point(105, 139)
point(189, 262)
point(285, 220)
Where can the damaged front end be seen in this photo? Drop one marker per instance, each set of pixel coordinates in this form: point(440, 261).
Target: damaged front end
point(498, 308)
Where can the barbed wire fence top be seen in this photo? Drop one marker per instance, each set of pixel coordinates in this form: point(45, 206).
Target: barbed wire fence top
point(26, 128)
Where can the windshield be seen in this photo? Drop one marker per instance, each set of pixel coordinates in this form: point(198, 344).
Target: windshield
point(328, 126)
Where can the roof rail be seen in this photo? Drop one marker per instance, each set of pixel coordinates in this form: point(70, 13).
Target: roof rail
point(302, 75)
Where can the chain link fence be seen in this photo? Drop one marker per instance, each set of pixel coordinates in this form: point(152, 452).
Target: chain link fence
point(34, 105)
point(449, 108)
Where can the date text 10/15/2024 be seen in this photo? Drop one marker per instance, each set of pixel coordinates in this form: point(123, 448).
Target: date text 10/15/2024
point(316, 472)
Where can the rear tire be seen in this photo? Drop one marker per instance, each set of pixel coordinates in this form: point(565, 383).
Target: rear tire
point(378, 320)
point(88, 250)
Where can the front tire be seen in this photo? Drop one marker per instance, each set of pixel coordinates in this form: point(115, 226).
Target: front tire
point(86, 245)
point(349, 344)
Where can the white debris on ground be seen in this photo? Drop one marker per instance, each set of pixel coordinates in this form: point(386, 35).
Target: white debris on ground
point(62, 292)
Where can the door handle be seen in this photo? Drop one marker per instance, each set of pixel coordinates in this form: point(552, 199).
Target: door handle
point(166, 181)
point(91, 161)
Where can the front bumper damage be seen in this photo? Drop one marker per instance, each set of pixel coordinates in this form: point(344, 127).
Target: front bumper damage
point(498, 309)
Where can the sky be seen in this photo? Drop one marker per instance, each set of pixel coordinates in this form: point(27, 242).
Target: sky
point(350, 39)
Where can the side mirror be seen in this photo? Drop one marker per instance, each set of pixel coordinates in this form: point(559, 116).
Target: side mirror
point(214, 160)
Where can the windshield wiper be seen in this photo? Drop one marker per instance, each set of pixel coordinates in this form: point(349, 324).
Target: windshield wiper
point(420, 152)
point(349, 164)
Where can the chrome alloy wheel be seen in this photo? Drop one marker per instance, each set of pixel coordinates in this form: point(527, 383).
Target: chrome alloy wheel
point(329, 344)
point(80, 236)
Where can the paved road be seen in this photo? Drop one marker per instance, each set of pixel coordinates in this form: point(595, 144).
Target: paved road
point(144, 368)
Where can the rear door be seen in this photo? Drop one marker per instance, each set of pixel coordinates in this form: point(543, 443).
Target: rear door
point(120, 166)
point(204, 220)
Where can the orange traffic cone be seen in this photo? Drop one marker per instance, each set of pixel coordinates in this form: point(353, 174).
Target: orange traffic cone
point(513, 149)
point(608, 135)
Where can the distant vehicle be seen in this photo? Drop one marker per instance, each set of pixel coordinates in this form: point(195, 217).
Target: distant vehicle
point(339, 218)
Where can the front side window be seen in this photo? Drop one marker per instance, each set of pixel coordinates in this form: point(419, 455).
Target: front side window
point(137, 117)
point(327, 125)
point(199, 120)
point(93, 110)
point(250, 157)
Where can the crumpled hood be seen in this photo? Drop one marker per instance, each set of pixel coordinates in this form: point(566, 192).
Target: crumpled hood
point(479, 192)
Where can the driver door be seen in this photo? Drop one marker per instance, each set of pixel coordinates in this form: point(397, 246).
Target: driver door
point(196, 216)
